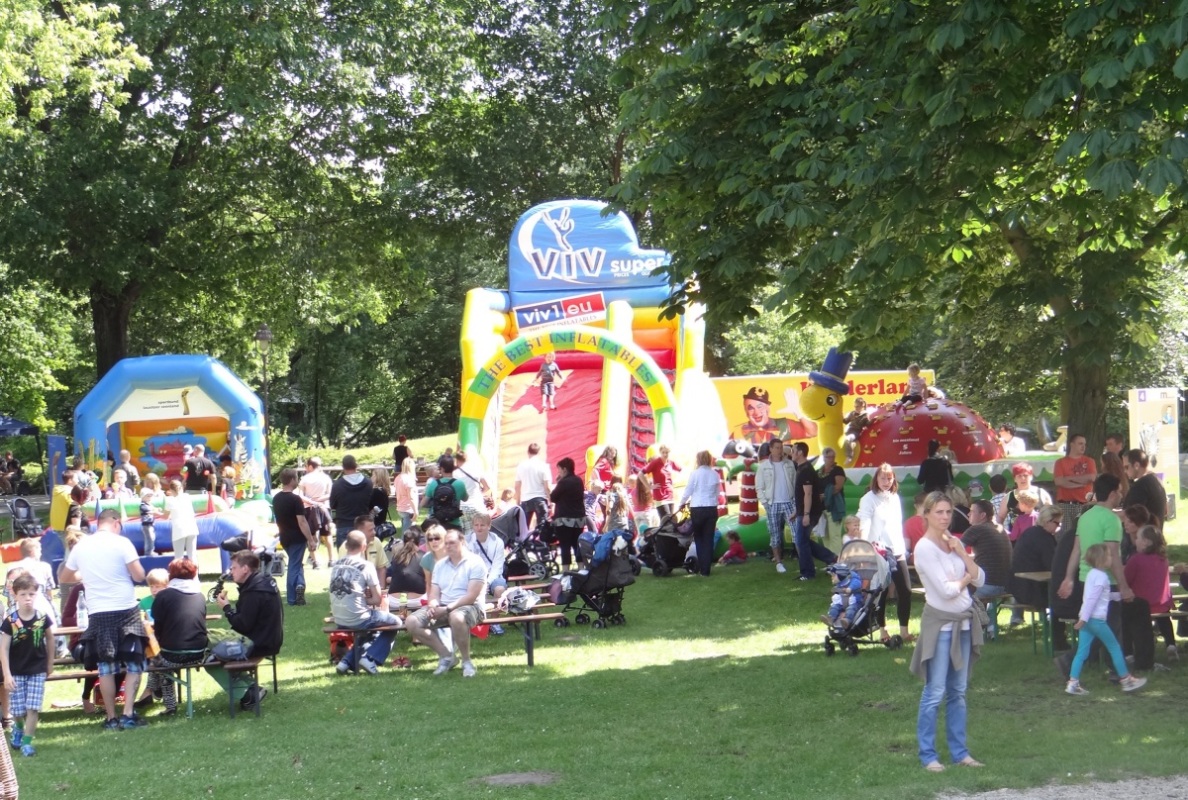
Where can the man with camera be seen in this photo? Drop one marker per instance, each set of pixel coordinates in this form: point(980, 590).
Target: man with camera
point(357, 601)
point(257, 615)
point(107, 563)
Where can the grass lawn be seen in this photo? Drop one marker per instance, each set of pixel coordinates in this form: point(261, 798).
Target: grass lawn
point(714, 688)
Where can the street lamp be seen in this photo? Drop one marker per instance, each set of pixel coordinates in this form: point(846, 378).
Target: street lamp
point(263, 339)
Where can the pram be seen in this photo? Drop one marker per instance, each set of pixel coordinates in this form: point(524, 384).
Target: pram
point(24, 521)
point(599, 587)
point(873, 567)
point(667, 545)
point(528, 551)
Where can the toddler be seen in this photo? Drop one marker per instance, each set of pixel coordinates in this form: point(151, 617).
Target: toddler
point(549, 378)
point(156, 580)
point(148, 517)
point(507, 500)
point(855, 421)
point(735, 554)
point(1026, 516)
point(1091, 623)
point(998, 494)
point(851, 529)
point(917, 387)
point(26, 660)
point(847, 593)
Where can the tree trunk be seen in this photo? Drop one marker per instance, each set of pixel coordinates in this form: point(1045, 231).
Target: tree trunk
point(110, 311)
point(1086, 391)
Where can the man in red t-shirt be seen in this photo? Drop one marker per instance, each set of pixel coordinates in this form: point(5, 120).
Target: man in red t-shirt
point(1074, 478)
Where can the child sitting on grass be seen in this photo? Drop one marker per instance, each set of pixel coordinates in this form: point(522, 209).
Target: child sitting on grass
point(735, 554)
point(1091, 623)
point(26, 660)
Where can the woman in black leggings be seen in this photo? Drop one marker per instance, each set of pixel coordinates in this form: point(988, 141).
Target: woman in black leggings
point(569, 511)
point(880, 513)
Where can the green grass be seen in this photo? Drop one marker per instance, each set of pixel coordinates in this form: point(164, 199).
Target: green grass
point(713, 689)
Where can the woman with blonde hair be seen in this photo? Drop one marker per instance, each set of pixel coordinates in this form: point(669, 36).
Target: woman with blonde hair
point(701, 495)
point(381, 493)
point(406, 493)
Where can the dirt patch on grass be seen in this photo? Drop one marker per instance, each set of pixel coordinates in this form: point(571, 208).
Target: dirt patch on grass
point(521, 779)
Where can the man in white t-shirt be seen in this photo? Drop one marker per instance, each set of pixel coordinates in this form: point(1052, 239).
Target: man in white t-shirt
point(455, 596)
point(533, 485)
point(356, 601)
point(107, 564)
point(314, 488)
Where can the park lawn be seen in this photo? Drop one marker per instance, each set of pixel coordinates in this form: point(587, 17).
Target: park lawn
point(714, 688)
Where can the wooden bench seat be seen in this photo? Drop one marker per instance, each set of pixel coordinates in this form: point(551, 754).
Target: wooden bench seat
point(183, 677)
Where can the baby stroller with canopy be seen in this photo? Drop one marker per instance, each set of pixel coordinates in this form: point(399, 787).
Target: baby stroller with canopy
point(874, 567)
point(528, 552)
point(599, 587)
point(24, 521)
point(667, 546)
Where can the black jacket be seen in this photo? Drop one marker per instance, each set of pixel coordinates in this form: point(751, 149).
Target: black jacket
point(349, 500)
point(179, 620)
point(258, 615)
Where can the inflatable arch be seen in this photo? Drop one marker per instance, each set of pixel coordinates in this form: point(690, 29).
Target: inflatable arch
point(588, 340)
point(155, 405)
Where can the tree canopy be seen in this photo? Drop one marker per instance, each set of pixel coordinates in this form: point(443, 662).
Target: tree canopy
point(872, 159)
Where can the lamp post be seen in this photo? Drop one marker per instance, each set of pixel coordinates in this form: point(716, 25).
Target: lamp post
point(263, 339)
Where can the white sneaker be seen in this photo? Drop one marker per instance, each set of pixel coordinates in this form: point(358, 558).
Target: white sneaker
point(1074, 687)
point(368, 666)
point(468, 670)
point(1173, 653)
point(780, 568)
point(444, 665)
point(343, 667)
point(1132, 682)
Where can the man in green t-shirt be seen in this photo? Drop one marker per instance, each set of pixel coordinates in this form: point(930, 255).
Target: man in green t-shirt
point(1099, 524)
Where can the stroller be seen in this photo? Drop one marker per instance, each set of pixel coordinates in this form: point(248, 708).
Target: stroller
point(667, 545)
point(529, 553)
point(599, 587)
point(874, 568)
point(24, 521)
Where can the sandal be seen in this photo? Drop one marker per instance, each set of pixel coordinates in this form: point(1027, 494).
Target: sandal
point(935, 766)
point(970, 761)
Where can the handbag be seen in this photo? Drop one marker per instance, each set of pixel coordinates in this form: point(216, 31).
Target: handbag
point(229, 650)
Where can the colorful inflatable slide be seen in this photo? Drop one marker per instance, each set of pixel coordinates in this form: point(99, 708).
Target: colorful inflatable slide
point(580, 286)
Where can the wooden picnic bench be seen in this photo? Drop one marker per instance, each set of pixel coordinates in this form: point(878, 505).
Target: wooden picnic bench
point(529, 625)
point(183, 677)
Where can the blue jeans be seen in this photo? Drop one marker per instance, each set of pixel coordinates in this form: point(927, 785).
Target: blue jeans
point(808, 548)
point(1097, 629)
point(406, 519)
point(948, 683)
point(381, 646)
point(296, 575)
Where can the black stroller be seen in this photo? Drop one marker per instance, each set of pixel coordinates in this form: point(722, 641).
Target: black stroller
point(528, 552)
point(874, 568)
point(24, 521)
point(599, 587)
point(667, 546)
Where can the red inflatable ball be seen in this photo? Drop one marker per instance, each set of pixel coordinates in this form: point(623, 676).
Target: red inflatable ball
point(899, 435)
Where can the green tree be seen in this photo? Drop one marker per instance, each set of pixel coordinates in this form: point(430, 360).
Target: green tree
point(240, 175)
point(1020, 159)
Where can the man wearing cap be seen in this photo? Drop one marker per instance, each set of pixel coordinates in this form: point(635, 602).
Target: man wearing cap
point(107, 563)
point(760, 427)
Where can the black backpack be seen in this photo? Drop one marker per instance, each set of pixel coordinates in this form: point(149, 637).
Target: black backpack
point(444, 503)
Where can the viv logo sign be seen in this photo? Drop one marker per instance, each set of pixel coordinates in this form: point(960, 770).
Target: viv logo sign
point(571, 245)
point(577, 310)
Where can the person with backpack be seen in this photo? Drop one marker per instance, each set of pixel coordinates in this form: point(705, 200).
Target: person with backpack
point(350, 497)
point(444, 495)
